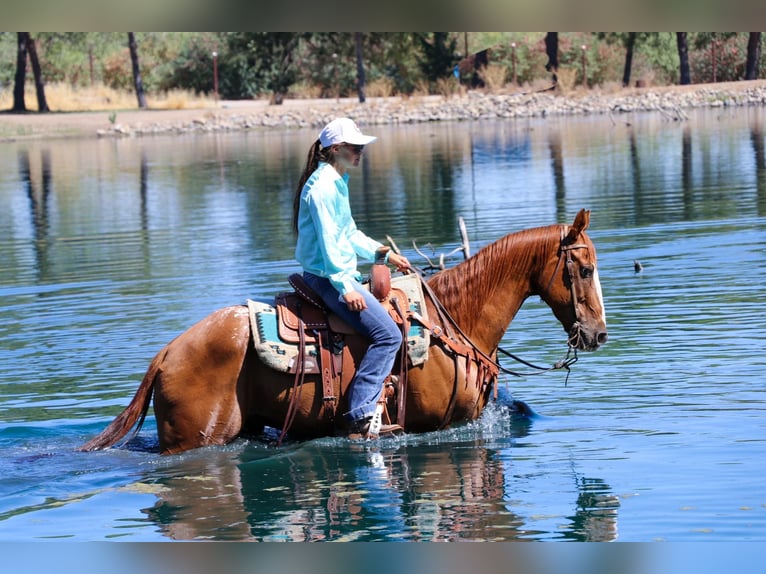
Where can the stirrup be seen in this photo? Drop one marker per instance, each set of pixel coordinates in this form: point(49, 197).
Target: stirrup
point(377, 428)
point(376, 422)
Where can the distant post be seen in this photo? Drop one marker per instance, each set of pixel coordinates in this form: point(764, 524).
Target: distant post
point(215, 75)
point(584, 66)
point(335, 70)
point(513, 62)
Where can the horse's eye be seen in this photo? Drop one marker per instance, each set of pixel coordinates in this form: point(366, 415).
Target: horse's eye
point(586, 271)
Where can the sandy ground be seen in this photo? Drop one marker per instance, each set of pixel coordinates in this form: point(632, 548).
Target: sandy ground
point(87, 124)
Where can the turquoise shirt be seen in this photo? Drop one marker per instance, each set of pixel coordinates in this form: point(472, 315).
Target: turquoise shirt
point(328, 240)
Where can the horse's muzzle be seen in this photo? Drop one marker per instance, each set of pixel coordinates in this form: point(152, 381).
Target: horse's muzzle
point(584, 339)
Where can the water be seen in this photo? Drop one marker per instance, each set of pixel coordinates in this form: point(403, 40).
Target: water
point(110, 248)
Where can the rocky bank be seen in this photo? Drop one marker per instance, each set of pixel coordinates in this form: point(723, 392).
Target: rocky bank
point(475, 105)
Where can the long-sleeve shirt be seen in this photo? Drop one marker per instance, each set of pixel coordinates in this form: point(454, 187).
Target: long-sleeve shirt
point(328, 239)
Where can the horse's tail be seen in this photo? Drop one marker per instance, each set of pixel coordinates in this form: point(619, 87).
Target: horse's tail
point(135, 411)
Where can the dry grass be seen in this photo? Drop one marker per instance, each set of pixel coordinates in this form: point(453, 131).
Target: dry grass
point(567, 77)
point(449, 87)
point(305, 91)
point(422, 88)
point(610, 88)
point(65, 98)
point(380, 88)
point(494, 77)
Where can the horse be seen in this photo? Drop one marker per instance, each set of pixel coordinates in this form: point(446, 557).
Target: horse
point(210, 386)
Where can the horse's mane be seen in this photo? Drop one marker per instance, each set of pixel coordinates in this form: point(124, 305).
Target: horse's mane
point(464, 288)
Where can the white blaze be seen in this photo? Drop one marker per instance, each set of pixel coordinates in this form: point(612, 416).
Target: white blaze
point(600, 296)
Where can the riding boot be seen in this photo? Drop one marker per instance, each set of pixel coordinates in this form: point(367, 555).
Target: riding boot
point(370, 428)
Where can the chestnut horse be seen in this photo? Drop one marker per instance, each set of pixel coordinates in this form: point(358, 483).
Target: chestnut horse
point(210, 387)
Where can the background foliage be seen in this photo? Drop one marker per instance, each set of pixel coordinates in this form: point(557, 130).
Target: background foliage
point(273, 64)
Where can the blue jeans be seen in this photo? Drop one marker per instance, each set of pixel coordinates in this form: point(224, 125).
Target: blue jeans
point(385, 340)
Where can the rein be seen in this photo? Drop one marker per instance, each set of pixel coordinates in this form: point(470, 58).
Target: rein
point(564, 363)
point(574, 334)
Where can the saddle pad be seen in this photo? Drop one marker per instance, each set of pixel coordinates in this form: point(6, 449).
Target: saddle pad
point(273, 351)
point(281, 355)
point(418, 338)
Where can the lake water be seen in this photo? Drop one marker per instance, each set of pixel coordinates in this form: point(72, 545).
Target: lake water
point(110, 248)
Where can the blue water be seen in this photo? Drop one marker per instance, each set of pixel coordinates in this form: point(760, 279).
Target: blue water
point(110, 248)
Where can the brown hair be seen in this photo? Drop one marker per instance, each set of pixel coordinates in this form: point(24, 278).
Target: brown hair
point(316, 154)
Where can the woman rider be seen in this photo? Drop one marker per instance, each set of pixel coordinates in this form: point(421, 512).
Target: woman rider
point(327, 248)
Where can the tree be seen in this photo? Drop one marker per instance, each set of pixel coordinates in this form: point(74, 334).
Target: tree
point(683, 56)
point(438, 55)
point(21, 73)
point(630, 44)
point(26, 46)
point(137, 82)
point(753, 55)
point(630, 41)
point(719, 58)
point(359, 66)
point(42, 104)
point(265, 61)
point(552, 51)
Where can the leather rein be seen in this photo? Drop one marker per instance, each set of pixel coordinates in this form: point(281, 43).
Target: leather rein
point(564, 255)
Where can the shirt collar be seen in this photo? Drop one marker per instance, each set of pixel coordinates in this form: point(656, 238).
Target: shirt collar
point(344, 177)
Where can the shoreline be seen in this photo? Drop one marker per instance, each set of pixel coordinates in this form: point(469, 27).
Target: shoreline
point(228, 116)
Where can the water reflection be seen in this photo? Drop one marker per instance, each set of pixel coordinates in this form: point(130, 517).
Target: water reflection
point(557, 165)
point(336, 491)
point(37, 187)
point(757, 140)
point(143, 185)
point(234, 191)
point(122, 244)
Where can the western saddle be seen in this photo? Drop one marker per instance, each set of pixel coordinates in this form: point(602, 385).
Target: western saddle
point(304, 319)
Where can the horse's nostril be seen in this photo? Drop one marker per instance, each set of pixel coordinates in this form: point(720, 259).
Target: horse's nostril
point(602, 337)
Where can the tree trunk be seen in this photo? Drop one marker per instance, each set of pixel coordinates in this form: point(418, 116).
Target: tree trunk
point(753, 56)
point(552, 50)
point(359, 66)
point(136, 70)
point(21, 73)
point(629, 46)
point(683, 56)
point(42, 105)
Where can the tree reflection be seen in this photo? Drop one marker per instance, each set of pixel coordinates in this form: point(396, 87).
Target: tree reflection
point(143, 184)
point(557, 165)
point(39, 196)
point(687, 184)
point(757, 140)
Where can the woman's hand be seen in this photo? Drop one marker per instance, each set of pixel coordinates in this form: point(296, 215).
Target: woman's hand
point(399, 261)
point(355, 301)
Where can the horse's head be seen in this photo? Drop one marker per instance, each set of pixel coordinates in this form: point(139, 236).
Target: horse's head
point(570, 286)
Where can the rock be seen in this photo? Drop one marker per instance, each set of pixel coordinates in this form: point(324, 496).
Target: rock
point(474, 105)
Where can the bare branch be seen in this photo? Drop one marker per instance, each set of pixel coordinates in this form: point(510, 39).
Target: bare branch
point(394, 246)
point(464, 234)
point(423, 255)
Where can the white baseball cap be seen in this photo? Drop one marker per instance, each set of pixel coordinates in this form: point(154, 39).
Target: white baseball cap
point(343, 130)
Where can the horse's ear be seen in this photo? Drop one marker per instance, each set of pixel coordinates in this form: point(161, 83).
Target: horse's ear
point(581, 222)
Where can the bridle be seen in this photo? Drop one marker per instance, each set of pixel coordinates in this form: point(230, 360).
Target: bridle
point(565, 254)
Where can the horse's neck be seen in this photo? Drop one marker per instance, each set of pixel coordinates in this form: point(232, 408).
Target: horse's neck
point(484, 293)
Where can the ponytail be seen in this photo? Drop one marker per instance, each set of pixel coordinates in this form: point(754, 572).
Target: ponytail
point(315, 155)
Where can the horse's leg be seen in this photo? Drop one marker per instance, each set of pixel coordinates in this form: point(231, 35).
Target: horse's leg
point(196, 400)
